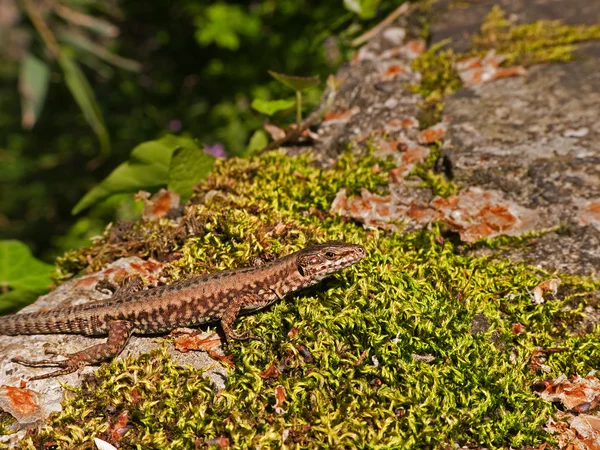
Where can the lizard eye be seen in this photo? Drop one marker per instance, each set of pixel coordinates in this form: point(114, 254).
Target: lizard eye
point(329, 254)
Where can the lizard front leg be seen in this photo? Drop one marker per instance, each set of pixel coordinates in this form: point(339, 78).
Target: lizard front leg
point(119, 332)
point(229, 316)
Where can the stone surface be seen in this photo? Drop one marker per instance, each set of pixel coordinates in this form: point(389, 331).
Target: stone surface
point(530, 139)
point(458, 20)
point(535, 137)
point(373, 98)
point(29, 402)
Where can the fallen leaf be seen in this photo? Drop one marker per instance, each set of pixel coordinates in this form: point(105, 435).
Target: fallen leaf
point(119, 428)
point(270, 372)
point(581, 432)
point(275, 132)
point(393, 70)
point(279, 399)
point(588, 427)
point(550, 285)
point(572, 392)
point(517, 328)
point(187, 341)
point(159, 204)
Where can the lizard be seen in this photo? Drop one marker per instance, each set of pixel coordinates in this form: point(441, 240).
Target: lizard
point(216, 297)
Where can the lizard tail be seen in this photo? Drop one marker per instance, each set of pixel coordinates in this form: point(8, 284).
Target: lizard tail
point(33, 323)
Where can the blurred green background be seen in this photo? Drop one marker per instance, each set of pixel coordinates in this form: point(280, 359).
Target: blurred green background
point(82, 82)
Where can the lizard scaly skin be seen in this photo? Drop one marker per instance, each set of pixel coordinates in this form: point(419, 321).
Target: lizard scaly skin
point(219, 296)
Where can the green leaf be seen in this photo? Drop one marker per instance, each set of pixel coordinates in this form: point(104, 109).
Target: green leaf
point(258, 141)
point(33, 86)
point(270, 107)
point(24, 275)
point(223, 24)
point(295, 83)
point(189, 165)
point(81, 42)
point(147, 167)
point(95, 24)
point(84, 96)
point(12, 301)
point(366, 9)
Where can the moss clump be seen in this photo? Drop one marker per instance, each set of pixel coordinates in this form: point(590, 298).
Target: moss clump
point(437, 182)
point(6, 421)
point(532, 43)
point(348, 349)
point(156, 394)
point(279, 190)
point(439, 79)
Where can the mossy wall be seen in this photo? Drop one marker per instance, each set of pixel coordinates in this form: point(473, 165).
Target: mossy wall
point(382, 355)
point(421, 345)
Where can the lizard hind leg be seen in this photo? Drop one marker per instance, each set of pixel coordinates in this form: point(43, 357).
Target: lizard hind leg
point(229, 317)
point(118, 335)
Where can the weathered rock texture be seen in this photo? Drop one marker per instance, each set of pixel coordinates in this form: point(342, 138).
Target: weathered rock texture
point(32, 402)
point(534, 137)
point(528, 141)
point(532, 141)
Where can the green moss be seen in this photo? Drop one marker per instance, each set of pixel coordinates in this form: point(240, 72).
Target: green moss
point(360, 385)
point(415, 294)
point(6, 422)
point(257, 196)
point(532, 43)
point(437, 182)
point(439, 79)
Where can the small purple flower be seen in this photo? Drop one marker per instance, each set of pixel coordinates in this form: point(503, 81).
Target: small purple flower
point(217, 150)
point(175, 125)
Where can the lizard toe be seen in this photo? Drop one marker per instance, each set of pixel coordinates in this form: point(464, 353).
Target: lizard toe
point(240, 336)
point(38, 363)
point(64, 371)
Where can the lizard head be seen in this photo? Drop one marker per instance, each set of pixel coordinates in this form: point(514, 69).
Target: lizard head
point(319, 261)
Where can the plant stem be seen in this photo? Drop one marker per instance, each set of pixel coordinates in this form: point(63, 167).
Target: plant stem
point(298, 108)
point(41, 27)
